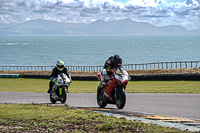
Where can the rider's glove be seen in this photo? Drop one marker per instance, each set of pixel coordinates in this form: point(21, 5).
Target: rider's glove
point(103, 72)
point(52, 79)
point(106, 77)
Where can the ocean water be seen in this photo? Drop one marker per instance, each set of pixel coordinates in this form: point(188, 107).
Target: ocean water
point(94, 50)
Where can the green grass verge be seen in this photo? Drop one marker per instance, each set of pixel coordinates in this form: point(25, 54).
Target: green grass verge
point(42, 118)
point(41, 85)
point(164, 87)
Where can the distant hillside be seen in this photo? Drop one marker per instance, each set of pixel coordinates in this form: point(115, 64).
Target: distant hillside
point(100, 27)
point(3, 25)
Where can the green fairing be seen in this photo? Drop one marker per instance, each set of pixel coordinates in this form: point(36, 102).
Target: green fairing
point(60, 91)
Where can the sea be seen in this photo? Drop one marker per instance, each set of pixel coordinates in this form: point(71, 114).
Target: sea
point(95, 50)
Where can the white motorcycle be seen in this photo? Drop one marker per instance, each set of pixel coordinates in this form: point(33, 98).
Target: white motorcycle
point(60, 88)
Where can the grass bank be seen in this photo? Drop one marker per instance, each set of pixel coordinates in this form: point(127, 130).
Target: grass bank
point(131, 72)
point(42, 118)
point(41, 85)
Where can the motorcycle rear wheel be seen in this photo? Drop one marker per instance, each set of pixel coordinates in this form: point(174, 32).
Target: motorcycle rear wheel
point(100, 98)
point(121, 101)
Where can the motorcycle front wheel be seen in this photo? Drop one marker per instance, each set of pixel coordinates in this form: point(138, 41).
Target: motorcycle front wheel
point(63, 95)
point(121, 99)
point(100, 98)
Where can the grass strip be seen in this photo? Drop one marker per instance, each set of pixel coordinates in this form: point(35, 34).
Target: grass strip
point(41, 85)
point(43, 118)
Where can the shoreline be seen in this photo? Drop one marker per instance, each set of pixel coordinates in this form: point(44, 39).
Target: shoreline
point(130, 72)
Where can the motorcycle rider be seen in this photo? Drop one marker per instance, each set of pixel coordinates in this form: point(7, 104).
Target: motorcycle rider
point(113, 62)
point(60, 68)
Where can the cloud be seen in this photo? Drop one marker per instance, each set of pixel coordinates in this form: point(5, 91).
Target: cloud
point(156, 12)
point(192, 2)
point(146, 3)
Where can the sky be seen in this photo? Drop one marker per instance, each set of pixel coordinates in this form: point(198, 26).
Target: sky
point(185, 13)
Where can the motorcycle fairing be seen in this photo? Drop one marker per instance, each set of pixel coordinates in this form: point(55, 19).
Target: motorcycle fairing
point(122, 78)
point(117, 81)
point(109, 89)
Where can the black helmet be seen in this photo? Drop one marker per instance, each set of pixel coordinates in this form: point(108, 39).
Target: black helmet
point(117, 60)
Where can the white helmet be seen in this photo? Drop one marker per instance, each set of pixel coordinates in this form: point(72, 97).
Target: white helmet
point(60, 65)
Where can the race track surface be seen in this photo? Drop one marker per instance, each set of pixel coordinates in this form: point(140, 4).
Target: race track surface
point(179, 105)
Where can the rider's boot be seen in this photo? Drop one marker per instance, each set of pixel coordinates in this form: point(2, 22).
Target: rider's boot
point(102, 85)
point(49, 91)
point(55, 96)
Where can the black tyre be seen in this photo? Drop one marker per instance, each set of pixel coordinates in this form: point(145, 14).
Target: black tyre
point(51, 99)
point(63, 96)
point(121, 100)
point(100, 98)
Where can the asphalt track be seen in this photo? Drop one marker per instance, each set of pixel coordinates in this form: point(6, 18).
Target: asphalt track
point(184, 107)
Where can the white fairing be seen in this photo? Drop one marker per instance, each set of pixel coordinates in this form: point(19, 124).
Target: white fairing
point(62, 80)
point(122, 77)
